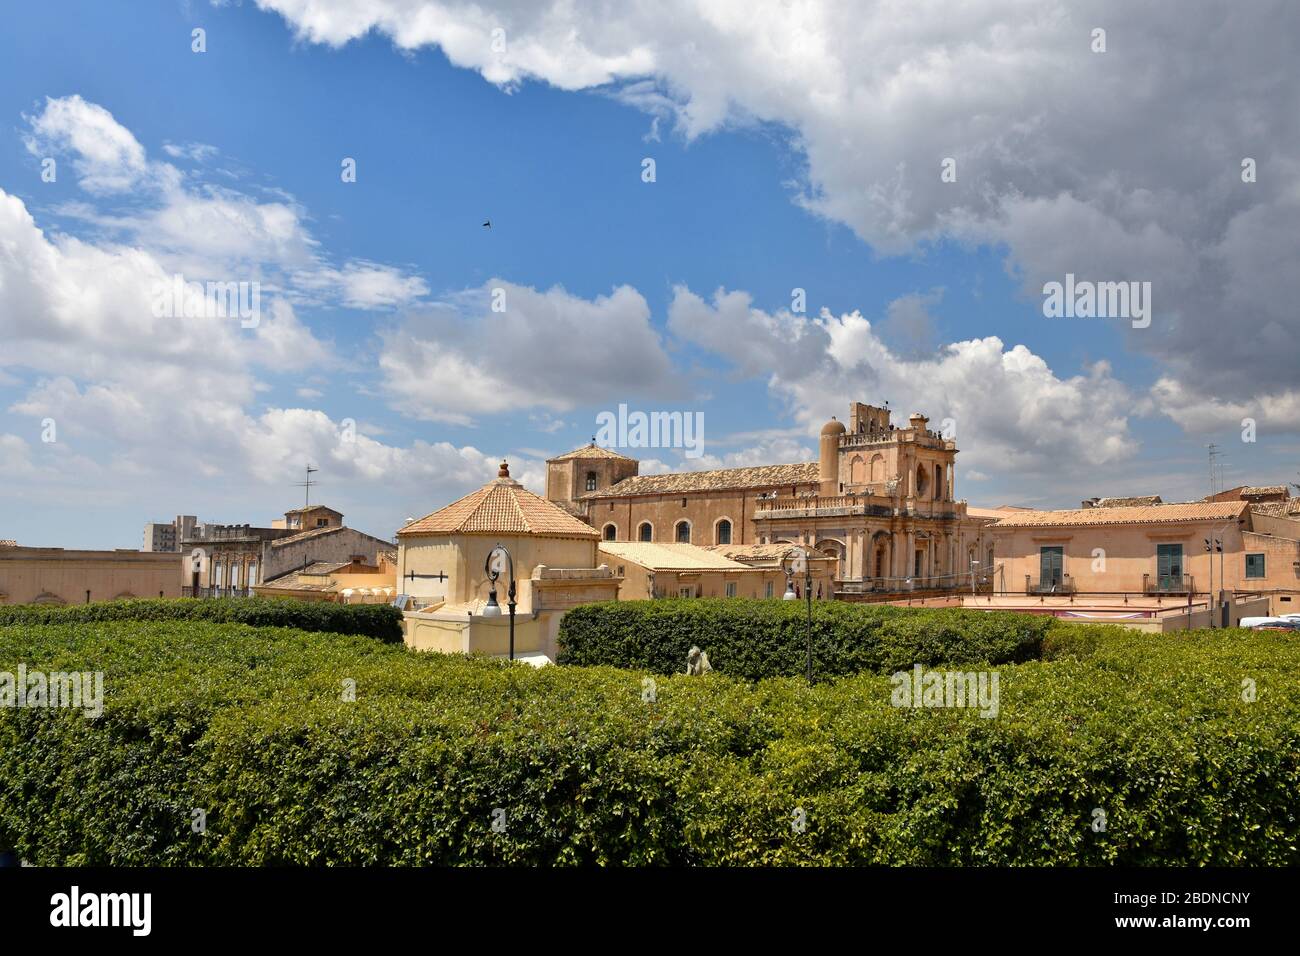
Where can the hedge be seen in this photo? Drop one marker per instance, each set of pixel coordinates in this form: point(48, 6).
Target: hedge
point(597, 766)
point(379, 621)
point(756, 638)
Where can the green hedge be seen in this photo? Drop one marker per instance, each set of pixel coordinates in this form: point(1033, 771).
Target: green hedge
point(250, 725)
point(756, 638)
point(379, 621)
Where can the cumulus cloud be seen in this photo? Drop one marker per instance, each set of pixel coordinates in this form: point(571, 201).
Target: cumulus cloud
point(546, 350)
point(1009, 409)
point(106, 156)
point(1115, 165)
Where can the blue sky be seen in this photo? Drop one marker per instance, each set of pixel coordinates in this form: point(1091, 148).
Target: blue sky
point(757, 197)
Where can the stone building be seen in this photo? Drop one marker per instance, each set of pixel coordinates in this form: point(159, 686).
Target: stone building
point(233, 559)
point(440, 570)
point(1157, 551)
point(880, 499)
point(59, 576)
point(671, 570)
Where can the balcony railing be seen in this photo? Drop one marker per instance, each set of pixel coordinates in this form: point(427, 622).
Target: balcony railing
point(1064, 586)
point(188, 591)
point(1168, 584)
point(815, 505)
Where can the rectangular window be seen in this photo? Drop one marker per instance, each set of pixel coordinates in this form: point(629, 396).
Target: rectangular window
point(1051, 566)
point(731, 589)
point(684, 592)
point(1254, 566)
point(1169, 566)
point(769, 589)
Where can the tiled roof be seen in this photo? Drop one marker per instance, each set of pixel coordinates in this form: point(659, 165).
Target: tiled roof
point(305, 535)
point(670, 556)
point(1150, 514)
point(755, 554)
point(324, 567)
point(1290, 508)
point(1251, 492)
point(591, 451)
point(502, 506)
point(311, 508)
point(722, 479)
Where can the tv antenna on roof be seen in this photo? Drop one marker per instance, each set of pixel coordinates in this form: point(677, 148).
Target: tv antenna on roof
point(307, 485)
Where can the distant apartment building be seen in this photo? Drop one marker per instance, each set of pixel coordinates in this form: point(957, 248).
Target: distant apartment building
point(168, 537)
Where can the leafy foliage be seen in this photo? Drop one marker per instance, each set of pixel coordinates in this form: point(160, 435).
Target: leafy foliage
point(580, 766)
point(379, 621)
point(756, 638)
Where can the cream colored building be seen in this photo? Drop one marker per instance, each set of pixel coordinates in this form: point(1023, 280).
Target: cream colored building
point(671, 570)
point(1155, 552)
point(881, 499)
point(440, 568)
point(58, 576)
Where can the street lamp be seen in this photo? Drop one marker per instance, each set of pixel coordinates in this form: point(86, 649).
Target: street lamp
point(500, 562)
point(794, 562)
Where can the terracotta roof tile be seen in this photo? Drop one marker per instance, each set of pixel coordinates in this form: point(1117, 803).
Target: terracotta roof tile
point(1277, 509)
point(502, 507)
point(1151, 514)
point(722, 479)
point(591, 451)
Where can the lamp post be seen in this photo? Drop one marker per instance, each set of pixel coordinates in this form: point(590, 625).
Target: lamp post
point(1211, 602)
point(499, 561)
point(796, 560)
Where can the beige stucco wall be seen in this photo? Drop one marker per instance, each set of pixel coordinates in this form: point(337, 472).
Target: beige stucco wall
point(26, 573)
point(1130, 552)
point(462, 558)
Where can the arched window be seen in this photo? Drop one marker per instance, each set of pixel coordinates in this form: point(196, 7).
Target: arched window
point(922, 481)
point(591, 481)
point(611, 532)
point(938, 482)
point(877, 467)
point(646, 532)
point(683, 532)
point(857, 470)
point(722, 532)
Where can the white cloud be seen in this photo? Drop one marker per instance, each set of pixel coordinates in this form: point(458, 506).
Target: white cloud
point(1010, 410)
point(1123, 165)
point(107, 157)
point(548, 350)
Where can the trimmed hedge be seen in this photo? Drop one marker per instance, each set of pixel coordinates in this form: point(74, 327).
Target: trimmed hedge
point(250, 725)
point(380, 621)
point(756, 638)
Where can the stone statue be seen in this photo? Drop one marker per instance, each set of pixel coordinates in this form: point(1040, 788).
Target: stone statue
point(697, 662)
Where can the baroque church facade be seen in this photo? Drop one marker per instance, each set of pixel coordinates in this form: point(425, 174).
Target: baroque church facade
point(881, 499)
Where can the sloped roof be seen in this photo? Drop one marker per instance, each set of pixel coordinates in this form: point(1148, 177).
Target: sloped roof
point(305, 535)
point(590, 451)
point(502, 506)
point(1288, 508)
point(721, 479)
point(755, 554)
point(311, 508)
point(1255, 490)
point(1150, 514)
